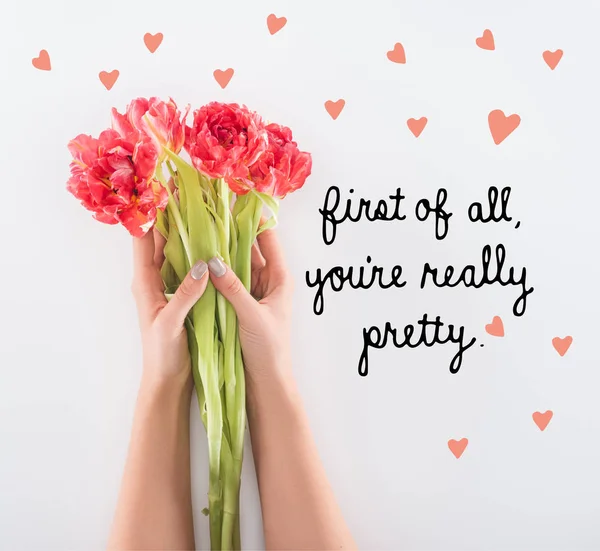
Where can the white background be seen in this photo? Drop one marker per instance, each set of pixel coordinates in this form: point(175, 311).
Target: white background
point(69, 349)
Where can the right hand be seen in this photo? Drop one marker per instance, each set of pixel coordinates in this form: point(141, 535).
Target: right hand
point(264, 313)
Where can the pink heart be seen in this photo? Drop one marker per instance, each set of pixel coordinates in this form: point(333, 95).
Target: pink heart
point(486, 41)
point(416, 126)
point(223, 77)
point(109, 79)
point(397, 55)
point(502, 126)
point(457, 447)
point(42, 62)
point(496, 328)
point(562, 345)
point(334, 108)
point(552, 58)
point(153, 41)
point(542, 419)
point(275, 24)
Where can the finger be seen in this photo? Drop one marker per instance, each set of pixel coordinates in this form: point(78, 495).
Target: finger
point(272, 252)
point(187, 294)
point(270, 247)
point(256, 258)
point(147, 285)
point(143, 252)
point(159, 248)
point(257, 263)
point(230, 286)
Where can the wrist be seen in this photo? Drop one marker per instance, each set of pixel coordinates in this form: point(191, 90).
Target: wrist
point(272, 393)
point(166, 389)
point(269, 366)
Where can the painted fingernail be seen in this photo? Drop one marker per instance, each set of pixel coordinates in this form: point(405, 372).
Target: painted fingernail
point(216, 266)
point(199, 269)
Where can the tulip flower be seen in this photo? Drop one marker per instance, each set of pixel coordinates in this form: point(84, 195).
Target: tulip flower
point(161, 121)
point(282, 168)
point(224, 140)
point(114, 179)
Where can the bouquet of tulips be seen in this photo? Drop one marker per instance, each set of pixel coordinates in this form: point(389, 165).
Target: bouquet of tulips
point(134, 174)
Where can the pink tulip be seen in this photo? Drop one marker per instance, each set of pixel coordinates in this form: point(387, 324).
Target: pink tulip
point(114, 178)
point(283, 168)
point(224, 140)
point(159, 120)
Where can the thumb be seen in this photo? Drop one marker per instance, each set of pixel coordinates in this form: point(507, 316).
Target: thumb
point(230, 286)
point(187, 294)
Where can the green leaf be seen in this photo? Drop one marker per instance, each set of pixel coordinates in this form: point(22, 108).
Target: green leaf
point(272, 205)
point(175, 253)
point(169, 278)
point(200, 224)
point(162, 224)
point(185, 170)
point(193, 347)
point(203, 245)
point(182, 204)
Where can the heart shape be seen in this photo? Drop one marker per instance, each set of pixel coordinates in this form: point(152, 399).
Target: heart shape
point(457, 447)
point(42, 62)
point(552, 58)
point(109, 79)
point(334, 108)
point(562, 345)
point(542, 419)
point(223, 77)
point(416, 126)
point(153, 41)
point(275, 24)
point(486, 41)
point(502, 126)
point(397, 55)
point(496, 328)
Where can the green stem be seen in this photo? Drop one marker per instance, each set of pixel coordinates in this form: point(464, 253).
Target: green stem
point(204, 244)
point(247, 218)
point(228, 328)
point(175, 215)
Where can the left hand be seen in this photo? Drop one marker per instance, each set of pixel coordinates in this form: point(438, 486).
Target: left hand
point(164, 338)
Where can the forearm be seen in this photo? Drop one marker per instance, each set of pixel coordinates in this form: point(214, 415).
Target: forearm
point(154, 510)
point(299, 508)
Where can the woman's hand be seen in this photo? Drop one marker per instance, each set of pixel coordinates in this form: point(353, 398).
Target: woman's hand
point(264, 314)
point(155, 502)
point(164, 338)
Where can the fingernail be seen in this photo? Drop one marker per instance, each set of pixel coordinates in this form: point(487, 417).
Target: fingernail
point(216, 266)
point(199, 269)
